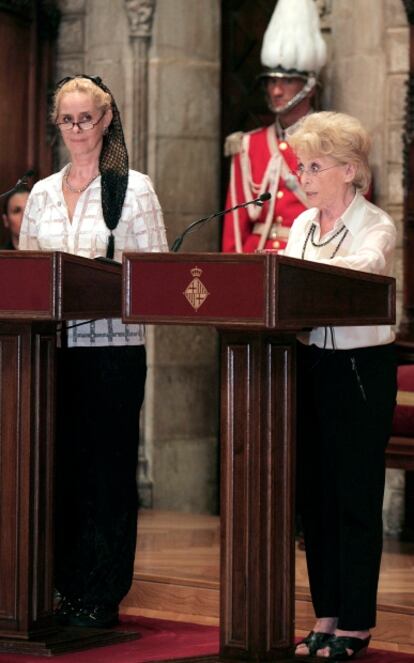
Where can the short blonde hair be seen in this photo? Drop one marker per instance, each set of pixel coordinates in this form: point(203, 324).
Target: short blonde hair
point(101, 99)
point(339, 136)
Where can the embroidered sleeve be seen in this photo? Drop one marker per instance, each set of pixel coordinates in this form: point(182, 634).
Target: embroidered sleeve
point(28, 240)
point(147, 223)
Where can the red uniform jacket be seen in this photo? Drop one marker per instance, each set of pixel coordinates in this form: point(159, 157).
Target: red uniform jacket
point(263, 163)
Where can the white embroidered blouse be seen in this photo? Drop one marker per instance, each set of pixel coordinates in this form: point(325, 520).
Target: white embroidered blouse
point(46, 227)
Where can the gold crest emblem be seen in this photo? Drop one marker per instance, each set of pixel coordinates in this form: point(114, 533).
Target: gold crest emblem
point(196, 292)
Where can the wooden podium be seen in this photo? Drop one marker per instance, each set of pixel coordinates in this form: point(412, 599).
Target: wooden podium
point(38, 290)
point(257, 303)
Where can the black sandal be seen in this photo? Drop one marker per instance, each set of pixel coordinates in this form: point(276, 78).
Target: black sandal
point(338, 645)
point(314, 640)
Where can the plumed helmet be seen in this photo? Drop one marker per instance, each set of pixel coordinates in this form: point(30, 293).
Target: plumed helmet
point(293, 45)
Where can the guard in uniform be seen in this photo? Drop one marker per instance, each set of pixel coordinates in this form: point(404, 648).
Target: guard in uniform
point(293, 53)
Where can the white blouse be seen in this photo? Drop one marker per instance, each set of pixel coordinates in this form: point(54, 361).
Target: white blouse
point(46, 227)
point(368, 246)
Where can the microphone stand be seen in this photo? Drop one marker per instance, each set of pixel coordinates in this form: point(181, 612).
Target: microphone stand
point(199, 222)
point(22, 180)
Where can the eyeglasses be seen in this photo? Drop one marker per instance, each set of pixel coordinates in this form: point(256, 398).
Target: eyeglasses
point(314, 170)
point(83, 125)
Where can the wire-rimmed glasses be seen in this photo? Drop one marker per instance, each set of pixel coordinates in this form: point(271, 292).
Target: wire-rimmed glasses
point(314, 169)
point(83, 125)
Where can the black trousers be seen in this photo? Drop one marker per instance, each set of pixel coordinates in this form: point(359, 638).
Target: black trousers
point(346, 400)
point(100, 393)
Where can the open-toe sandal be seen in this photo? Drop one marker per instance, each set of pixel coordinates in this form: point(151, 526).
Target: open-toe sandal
point(339, 644)
point(314, 640)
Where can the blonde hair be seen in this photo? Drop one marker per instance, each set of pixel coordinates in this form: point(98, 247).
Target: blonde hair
point(101, 99)
point(339, 136)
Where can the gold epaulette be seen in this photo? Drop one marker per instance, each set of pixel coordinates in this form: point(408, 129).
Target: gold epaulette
point(233, 143)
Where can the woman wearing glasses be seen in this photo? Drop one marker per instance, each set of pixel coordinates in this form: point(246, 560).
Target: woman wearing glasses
point(95, 207)
point(346, 391)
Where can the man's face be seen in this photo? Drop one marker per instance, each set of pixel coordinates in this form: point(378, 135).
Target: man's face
point(281, 90)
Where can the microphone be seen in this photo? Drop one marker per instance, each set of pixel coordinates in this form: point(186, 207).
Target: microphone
point(22, 180)
point(194, 225)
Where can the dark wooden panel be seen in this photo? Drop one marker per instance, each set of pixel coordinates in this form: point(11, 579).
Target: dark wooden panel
point(230, 291)
point(310, 294)
point(253, 291)
point(28, 30)
point(279, 457)
point(9, 464)
point(236, 459)
point(27, 409)
point(29, 285)
point(26, 451)
point(400, 453)
point(58, 286)
point(15, 32)
point(89, 287)
point(42, 464)
point(257, 560)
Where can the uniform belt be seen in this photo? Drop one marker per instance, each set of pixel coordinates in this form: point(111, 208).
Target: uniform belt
point(276, 231)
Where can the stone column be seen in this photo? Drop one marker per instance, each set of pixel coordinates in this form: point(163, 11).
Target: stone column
point(70, 52)
point(140, 16)
point(181, 415)
point(167, 61)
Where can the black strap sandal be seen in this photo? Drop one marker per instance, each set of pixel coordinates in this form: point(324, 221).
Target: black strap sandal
point(338, 645)
point(314, 640)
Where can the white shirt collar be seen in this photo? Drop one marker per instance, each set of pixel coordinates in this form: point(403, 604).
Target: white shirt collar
point(282, 133)
point(352, 217)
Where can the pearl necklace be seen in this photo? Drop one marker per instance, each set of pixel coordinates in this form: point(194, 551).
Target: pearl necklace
point(311, 235)
point(72, 188)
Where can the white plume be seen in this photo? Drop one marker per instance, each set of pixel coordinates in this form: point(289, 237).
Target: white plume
point(293, 39)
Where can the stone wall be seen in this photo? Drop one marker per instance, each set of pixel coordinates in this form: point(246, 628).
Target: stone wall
point(161, 60)
point(184, 152)
point(366, 74)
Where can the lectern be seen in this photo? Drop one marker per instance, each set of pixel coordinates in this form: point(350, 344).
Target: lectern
point(38, 290)
point(257, 303)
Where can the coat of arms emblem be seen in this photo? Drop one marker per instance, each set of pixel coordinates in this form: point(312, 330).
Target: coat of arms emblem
point(196, 293)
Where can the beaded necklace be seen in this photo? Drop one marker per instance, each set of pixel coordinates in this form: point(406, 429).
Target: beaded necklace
point(311, 236)
point(72, 188)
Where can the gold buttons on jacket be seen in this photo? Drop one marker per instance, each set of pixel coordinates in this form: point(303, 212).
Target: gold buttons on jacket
point(276, 244)
point(283, 145)
point(279, 219)
point(279, 194)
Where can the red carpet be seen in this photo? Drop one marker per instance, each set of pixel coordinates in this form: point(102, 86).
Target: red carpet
point(167, 640)
point(160, 639)
point(376, 656)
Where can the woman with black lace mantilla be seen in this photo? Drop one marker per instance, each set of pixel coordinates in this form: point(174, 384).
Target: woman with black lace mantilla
point(95, 207)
